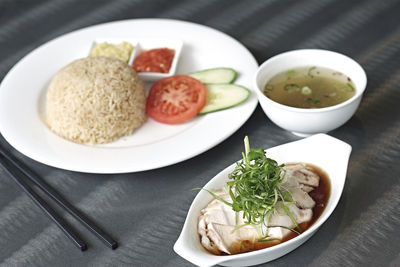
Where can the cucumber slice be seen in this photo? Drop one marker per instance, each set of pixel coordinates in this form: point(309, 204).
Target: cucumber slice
point(216, 75)
point(223, 96)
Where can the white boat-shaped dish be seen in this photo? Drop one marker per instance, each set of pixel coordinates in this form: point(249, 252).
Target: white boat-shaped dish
point(322, 150)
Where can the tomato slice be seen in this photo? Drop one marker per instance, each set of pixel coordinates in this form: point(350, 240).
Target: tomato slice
point(154, 60)
point(175, 99)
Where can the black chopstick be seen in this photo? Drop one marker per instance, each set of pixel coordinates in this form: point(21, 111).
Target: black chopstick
point(59, 199)
point(61, 223)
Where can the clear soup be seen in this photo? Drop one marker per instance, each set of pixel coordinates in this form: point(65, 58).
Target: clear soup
point(310, 87)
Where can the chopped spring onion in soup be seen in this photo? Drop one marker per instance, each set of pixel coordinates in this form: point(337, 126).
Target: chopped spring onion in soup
point(310, 87)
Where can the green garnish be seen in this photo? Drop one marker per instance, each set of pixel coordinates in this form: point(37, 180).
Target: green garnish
point(292, 87)
point(352, 89)
point(269, 239)
point(315, 101)
point(310, 70)
point(255, 187)
point(291, 72)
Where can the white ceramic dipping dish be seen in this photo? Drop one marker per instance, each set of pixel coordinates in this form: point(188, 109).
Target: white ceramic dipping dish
point(322, 150)
point(147, 44)
point(301, 121)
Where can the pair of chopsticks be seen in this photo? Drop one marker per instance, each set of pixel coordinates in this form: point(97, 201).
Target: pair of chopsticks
point(21, 174)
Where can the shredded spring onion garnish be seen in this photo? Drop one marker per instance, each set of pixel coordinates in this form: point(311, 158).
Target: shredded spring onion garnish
point(255, 188)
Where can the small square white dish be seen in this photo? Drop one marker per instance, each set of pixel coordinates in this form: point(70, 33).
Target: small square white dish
point(148, 44)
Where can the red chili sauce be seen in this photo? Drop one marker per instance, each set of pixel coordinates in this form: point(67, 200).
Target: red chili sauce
point(154, 60)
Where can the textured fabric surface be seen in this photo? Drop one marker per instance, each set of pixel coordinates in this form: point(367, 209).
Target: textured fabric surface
point(145, 211)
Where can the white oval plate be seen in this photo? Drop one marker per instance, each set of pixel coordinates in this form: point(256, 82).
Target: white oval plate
point(152, 146)
point(322, 150)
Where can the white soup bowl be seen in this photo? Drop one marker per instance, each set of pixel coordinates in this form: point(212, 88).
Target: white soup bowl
point(303, 121)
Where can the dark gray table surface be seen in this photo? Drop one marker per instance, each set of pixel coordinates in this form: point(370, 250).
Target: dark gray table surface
point(145, 211)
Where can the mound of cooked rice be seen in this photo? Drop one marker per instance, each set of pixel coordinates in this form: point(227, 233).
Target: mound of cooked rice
point(95, 100)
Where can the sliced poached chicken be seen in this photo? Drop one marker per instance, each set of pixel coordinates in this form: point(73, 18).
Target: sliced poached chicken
point(218, 221)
